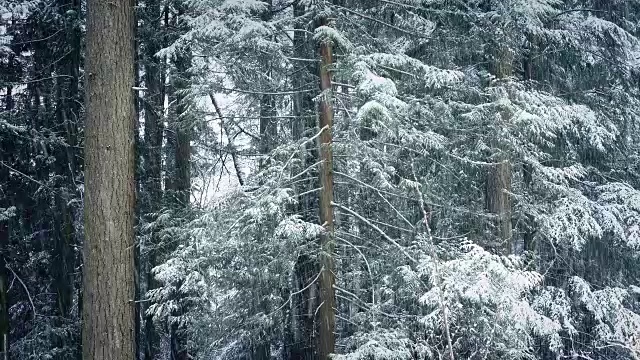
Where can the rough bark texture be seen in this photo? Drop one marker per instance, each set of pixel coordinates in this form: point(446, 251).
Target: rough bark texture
point(498, 185)
point(499, 203)
point(326, 338)
point(108, 312)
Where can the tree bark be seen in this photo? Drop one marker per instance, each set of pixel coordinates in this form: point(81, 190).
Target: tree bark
point(108, 309)
point(498, 186)
point(327, 320)
point(499, 203)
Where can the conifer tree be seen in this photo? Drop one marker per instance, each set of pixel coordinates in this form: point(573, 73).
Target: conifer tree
point(108, 301)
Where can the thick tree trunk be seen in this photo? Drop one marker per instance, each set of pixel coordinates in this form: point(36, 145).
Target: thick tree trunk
point(326, 338)
point(108, 311)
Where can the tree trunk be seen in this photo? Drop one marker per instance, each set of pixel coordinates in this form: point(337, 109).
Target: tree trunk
point(4, 278)
point(67, 99)
point(152, 155)
point(327, 320)
point(304, 302)
point(4, 244)
point(181, 184)
point(183, 125)
point(499, 203)
point(268, 123)
point(498, 186)
point(108, 311)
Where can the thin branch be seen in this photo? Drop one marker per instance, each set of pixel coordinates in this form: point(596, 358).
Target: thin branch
point(372, 225)
point(434, 256)
point(234, 158)
point(290, 92)
point(298, 292)
point(577, 10)
point(25, 289)
point(384, 23)
point(373, 293)
point(379, 194)
point(23, 174)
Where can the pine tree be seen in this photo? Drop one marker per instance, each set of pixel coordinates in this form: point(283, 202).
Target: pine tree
point(108, 313)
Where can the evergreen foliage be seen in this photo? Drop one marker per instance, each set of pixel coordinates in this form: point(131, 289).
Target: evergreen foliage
point(486, 174)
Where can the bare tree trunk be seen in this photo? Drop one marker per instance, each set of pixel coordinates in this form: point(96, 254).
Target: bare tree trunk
point(499, 202)
point(4, 244)
point(498, 186)
point(183, 132)
point(152, 156)
point(268, 123)
point(327, 319)
point(4, 284)
point(304, 303)
point(108, 310)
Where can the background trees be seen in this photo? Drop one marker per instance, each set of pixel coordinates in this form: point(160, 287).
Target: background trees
point(484, 169)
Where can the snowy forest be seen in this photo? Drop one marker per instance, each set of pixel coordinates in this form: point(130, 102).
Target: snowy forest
point(319, 179)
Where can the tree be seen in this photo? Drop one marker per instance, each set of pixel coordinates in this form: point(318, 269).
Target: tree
point(108, 307)
point(151, 42)
point(327, 320)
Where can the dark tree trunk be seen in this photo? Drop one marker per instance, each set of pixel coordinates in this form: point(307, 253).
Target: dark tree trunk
point(4, 278)
point(268, 123)
point(305, 302)
point(183, 131)
point(152, 154)
point(4, 243)
point(108, 311)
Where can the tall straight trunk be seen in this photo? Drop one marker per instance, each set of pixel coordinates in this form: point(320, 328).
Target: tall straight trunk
point(498, 185)
point(268, 123)
point(4, 244)
point(108, 309)
point(4, 285)
point(304, 301)
point(179, 136)
point(152, 155)
point(153, 106)
point(67, 98)
point(326, 336)
point(261, 345)
point(138, 175)
point(183, 125)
